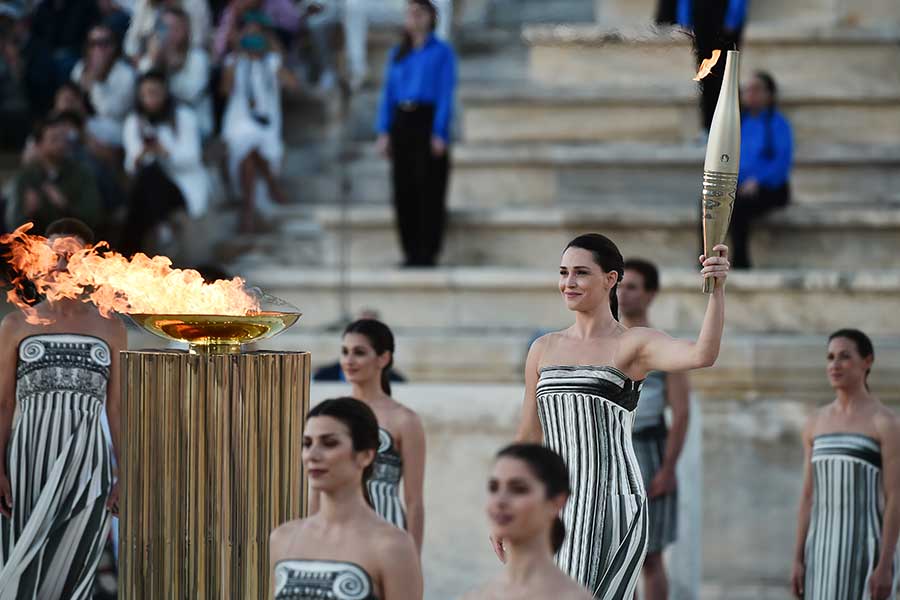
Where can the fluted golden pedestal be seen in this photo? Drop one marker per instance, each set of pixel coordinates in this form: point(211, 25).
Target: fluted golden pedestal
point(210, 465)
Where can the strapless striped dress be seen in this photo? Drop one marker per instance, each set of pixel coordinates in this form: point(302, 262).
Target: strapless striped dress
point(586, 414)
point(844, 537)
point(384, 484)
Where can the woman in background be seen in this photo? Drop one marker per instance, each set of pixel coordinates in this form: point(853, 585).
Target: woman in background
point(367, 355)
point(849, 515)
point(526, 493)
point(344, 551)
point(414, 132)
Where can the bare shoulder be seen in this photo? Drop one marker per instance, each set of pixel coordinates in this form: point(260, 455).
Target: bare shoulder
point(393, 545)
point(286, 531)
point(886, 422)
point(811, 426)
point(407, 418)
point(13, 324)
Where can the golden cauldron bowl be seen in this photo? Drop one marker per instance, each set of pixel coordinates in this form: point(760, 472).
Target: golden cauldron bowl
point(216, 334)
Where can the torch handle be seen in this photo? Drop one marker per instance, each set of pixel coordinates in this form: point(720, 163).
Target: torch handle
point(710, 283)
point(717, 204)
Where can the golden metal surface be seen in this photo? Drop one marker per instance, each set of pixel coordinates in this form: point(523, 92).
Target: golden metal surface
point(210, 465)
point(722, 162)
point(220, 334)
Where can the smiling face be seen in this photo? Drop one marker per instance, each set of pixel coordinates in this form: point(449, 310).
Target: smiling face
point(517, 507)
point(359, 361)
point(582, 282)
point(846, 368)
point(328, 455)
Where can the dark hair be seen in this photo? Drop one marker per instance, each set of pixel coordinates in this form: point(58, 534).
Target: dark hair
point(647, 270)
point(116, 40)
point(407, 43)
point(382, 340)
point(863, 344)
point(167, 112)
point(52, 120)
point(70, 117)
point(551, 470)
point(608, 257)
point(76, 89)
point(769, 83)
point(72, 227)
point(361, 422)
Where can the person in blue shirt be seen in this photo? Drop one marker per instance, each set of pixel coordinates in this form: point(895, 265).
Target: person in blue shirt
point(414, 132)
point(717, 25)
point(767, 149)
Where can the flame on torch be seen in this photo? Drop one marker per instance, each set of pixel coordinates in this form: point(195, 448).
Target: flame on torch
point(707, 64)
point(67, 269)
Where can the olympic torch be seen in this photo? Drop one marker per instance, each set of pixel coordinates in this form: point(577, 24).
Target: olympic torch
point(723, 159)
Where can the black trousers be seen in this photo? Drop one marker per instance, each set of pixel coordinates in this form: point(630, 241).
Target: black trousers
point(709, 34)
point(666, 12)
point(151, 199)
point(420, 186)
point(746, 210)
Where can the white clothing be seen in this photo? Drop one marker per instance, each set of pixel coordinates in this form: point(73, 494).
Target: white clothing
point(184, 164)
point(190, 86)
point(256, 84)
point(143, 22)
point(112, 99)
point(358, 13)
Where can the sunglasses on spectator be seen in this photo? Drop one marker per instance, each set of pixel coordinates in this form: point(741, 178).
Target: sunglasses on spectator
point(100, 42)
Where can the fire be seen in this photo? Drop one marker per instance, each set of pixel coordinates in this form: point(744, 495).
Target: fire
point(706, 66)
point(64, 269)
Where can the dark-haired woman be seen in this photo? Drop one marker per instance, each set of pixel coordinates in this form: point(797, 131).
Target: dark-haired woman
point(850, 507)
point(367, 355)
point(581, 389)
point(766, 153)
point(414, 131)
point(344, 551)
point(163, 152)
point(528, 489)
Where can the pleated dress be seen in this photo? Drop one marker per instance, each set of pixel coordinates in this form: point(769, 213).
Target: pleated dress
point(586, 415)
point(384, 484)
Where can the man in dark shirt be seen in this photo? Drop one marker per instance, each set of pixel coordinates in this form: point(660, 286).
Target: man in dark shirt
point(54, 186)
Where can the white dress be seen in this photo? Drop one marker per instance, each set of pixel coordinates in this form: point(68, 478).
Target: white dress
point(184, 164)
point(112, 99)
point(255, 92)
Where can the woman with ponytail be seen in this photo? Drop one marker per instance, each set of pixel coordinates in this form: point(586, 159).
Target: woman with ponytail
point(528, 489)
point(344, 551)
point(849, 516)
point(581, 390)
point(367, 356)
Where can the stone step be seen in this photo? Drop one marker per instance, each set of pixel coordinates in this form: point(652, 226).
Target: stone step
point(537, 114)
point(489, 176)
point(515, 13)
point(762, 365)
point(804, 62)
point(811, 237)
point(872, 13)
point(765, 301)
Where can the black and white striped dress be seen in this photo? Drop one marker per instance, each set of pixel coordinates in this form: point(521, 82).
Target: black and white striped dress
point(322, 580)
point(384, 484)
point(586, 414)
point(60, 470)
point(650, 437)
point(844, 537)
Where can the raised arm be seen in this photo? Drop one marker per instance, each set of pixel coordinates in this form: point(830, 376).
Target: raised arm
point(881, 578)
point(8, 361)
point(806, 496)
point(530, 425)
point(657, 351)
point(678, 399)
point(413, 450)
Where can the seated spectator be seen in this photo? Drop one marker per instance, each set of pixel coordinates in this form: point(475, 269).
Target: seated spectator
point(108, 81)
point(162, 151)
point(252, 124)
point(358, 13)
point(114, 14)
point(766, 154)
point(54, 185)
point(187, 68)
point(14, 115)
point(145, 19)
point(57, 30)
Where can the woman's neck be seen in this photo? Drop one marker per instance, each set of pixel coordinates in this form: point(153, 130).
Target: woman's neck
point(596, 323)
point(849, 401)
point(368, 391)
point(528, 561)
point(418, 38)
point(340, 505)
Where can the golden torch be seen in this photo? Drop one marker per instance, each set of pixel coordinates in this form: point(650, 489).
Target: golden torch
point(723, 159)
point(211, 437)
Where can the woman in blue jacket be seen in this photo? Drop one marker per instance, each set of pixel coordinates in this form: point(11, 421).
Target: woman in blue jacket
point(414, 131)
point(767, 149)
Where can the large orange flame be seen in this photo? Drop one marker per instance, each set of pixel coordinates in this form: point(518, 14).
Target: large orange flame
point(66, 269)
